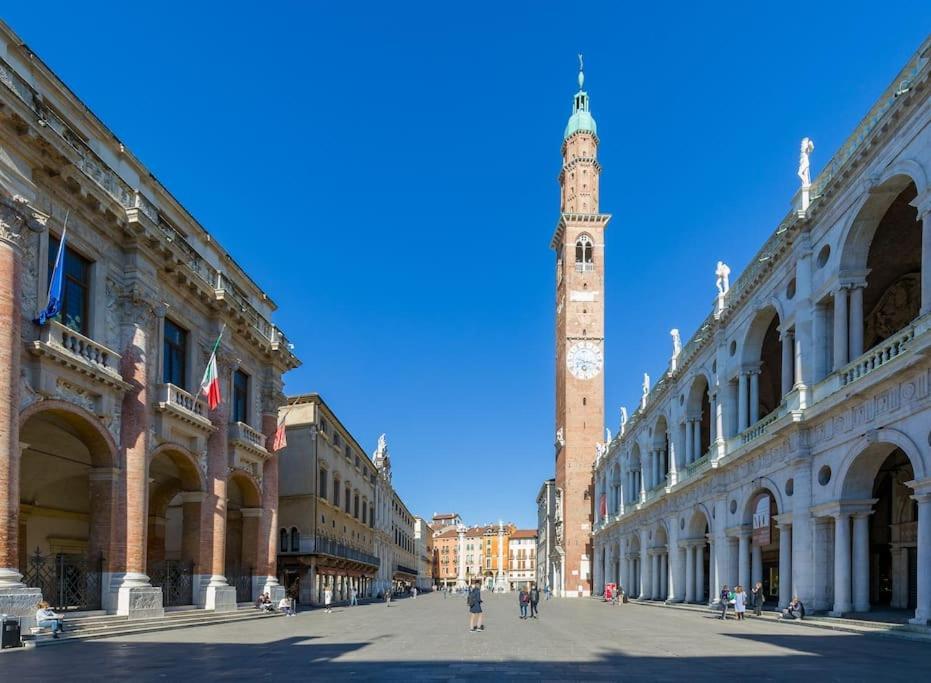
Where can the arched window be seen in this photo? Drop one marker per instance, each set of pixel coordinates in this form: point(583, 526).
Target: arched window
point(295, 539)
point(584, 261)
point(283, 541)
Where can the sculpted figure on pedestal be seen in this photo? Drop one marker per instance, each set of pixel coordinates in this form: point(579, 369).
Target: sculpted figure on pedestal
point(722, 272)
point(676, 342)
point(623, 419)
point(804, 165)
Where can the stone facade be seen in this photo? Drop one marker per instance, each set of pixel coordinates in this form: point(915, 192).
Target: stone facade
point(326, 537)
point(788, 442)
point(119, 488)
point(423, 551)
point(549, 560)
point(522, 559)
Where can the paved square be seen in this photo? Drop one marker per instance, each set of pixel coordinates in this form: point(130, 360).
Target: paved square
point(427, 639)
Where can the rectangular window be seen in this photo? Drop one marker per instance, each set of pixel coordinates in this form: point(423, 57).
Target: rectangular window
point(336, 492)
point(355, 507)
point(323, 484)
point(174, 359)
point(75, 286)
point(240, 396)
point(348, 497)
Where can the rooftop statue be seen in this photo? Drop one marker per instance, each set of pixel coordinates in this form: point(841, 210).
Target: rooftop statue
point(723, 273)
point(646, 385)
point(676, 342)
point(804, 165)
point(623, 419)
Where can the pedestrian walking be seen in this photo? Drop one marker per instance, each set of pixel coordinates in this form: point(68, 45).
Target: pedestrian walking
point(445, 591)
point(547, 591)
point(414, 592)
point(740, 602)
point(353, 597)
point(474, 601)
point(758, 598)
point(523, 600)
point(388, 597)
point(327, 600)
point(726, 599)
point(534, 600)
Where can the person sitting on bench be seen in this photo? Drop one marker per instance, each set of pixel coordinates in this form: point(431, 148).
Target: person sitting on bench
point(46, 618)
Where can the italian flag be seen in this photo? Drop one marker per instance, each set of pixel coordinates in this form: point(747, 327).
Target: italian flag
point(210, 384)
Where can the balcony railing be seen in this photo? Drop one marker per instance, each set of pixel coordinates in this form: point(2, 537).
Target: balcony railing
point(755, 431)
point(876, 357)
point(696, 466)
point(584, 267)
point(179, 399)
point(80, 352)
point(243, 433)
point(318, 545)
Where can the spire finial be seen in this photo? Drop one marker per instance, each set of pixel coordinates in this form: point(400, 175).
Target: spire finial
point(581, 71)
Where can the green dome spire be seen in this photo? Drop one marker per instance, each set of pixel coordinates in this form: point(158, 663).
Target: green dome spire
point(581, 120)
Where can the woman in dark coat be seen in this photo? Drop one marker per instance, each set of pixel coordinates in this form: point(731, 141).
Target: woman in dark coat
point(474, 600)
point(758, 598)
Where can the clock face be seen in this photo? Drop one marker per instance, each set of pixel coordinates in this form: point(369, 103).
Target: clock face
point(584, 360)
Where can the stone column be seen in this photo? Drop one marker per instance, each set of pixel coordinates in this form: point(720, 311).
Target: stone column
point(786, 342)
point(600, 568)
point(861, 562)
point(754, 396)
point(785, 564)
point(673, 466)
point(733, 561)
point(461, 577)
point(923, 498)
point(17, 223)
point(924, 215)
point(718, 425)
point(218, 594)
point(840, 327)
point(689, 572)
point(712, 571)
point(696, 434)
point(645, 584)
point(819, 344)
point(267, 536)
point(756, 571)
point(856, 320)
point(642, 482)
point(743, 402)
point(664, 573)
point(700, 572)
point(842, 602)
point(136, 597)
point(743, 558)
point(102, 482)
point(654, 574)
point(689, 442)
point(803, 556)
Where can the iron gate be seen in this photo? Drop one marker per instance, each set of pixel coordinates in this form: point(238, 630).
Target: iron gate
point(176, 579)
point(242, 581)
point(67, 581)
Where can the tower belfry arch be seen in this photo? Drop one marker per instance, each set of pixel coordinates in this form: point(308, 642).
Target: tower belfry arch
point(579, 245)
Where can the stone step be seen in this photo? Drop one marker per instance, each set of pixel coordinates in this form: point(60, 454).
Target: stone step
point(126, 626)
point(907, 631)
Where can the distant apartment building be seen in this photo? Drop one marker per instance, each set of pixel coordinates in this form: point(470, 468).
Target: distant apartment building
point(446, 556)
point(441, 520)
point(423, 550)
point(522, 559)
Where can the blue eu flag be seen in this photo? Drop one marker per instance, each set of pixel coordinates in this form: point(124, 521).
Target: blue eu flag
point(53, 307)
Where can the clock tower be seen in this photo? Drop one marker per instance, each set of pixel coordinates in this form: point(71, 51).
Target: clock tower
point(579, 245)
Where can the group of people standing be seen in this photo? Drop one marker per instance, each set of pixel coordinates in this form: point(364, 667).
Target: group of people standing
point(739, 600)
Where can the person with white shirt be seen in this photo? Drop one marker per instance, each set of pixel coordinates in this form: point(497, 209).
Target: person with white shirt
point(46, 618)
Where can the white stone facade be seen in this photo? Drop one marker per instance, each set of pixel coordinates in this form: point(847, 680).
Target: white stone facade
point(789, 441)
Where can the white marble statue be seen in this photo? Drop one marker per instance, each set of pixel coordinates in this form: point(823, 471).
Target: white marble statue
point(646, 385)
point(676, 342)
point(607, 435)
point(600, 450)
point(623, 419)
point(382, 447)
point(723, 273)
point(560, 439)
point(804, 165)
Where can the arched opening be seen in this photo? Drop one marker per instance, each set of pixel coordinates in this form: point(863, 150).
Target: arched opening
point(660, 562)
point(614, 506)
point(66, 497)
point(584, 254)
point(634, 558)
point(243, 517)
point(892, 298)
point(884, 557)
point(635, 469)
point(761, 512)
point(697, 582)
point(661, 450)
point(697, 438)
point(761, 391)
point(173, 538)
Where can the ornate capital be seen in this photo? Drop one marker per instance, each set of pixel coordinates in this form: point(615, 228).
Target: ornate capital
point(15, 215)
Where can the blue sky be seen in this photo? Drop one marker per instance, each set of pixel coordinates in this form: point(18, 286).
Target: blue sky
point(387, 172)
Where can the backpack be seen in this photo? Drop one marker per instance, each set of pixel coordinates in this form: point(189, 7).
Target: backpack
point(470, 601)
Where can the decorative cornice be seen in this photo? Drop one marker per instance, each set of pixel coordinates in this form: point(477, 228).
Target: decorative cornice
point(16, 214)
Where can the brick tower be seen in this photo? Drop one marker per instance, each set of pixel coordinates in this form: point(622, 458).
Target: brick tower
point(579, 245)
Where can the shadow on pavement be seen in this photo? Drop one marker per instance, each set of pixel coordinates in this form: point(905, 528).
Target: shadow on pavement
point(805, 656)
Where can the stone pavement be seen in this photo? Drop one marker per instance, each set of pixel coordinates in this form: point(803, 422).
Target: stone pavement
point(428, 639)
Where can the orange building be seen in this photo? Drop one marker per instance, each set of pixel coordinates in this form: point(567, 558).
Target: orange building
point(446, 556)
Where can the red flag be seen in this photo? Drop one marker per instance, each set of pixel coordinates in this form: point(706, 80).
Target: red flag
point(281, 437)
point(210, 384)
